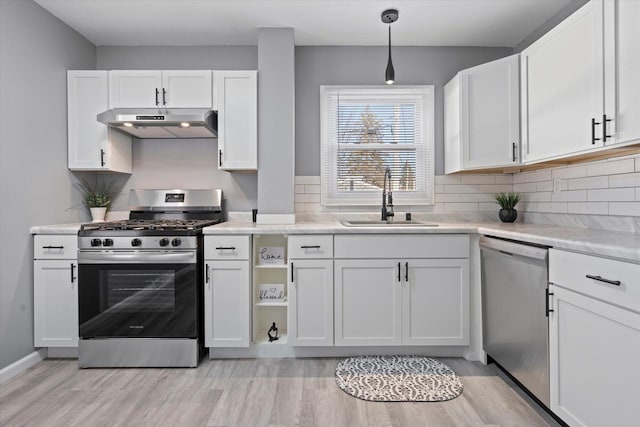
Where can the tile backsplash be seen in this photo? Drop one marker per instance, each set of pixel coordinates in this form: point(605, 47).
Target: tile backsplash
point(601, 194)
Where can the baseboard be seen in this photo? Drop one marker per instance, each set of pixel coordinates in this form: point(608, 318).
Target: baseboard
point(23, 364)
point(269, 350)
point(276, 219)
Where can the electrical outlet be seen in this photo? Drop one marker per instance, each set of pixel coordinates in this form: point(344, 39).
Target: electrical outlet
point(557, 185)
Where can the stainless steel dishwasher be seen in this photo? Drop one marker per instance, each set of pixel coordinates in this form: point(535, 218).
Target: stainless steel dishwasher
point(515, 311)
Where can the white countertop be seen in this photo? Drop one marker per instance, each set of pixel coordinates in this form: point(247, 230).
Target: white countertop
point(620, 245)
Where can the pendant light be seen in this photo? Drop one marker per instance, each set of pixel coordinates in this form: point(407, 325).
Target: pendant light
point(389, 16)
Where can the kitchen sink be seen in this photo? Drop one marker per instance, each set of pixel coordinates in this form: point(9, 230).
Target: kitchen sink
point(380, 223)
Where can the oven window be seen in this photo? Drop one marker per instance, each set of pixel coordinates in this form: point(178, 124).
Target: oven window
point(135, 291)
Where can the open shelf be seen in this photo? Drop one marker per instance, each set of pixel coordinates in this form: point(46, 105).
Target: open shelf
point(271, 266)
point(271, 304)
point(267, 312)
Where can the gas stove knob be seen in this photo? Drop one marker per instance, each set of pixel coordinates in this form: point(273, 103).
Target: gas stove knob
point(107, 242)
point(176, 242)
point(136, 242)
point(96, 242)
point(164, 242)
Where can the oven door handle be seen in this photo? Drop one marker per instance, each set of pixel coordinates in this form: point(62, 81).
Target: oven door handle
point(137, 257)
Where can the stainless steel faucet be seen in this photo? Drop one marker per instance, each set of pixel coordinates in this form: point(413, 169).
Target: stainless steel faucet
point(387, 199)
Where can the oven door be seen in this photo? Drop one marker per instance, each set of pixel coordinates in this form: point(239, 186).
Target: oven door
point(138, 294)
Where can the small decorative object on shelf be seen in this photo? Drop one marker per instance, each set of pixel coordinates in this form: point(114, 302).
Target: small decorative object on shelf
point(271, 292)
point(507, 202)
point(273, 329)
point(271, 255)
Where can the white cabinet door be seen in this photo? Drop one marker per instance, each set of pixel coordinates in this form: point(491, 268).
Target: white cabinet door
point(311, 303)
point(186, 89)
point(622, 68)
point(594, 361)
point(55, 303)
point(368, 302)
point(93, 146)
point(563, 87)
point(237, 101)
point(435, 302)
point(135, 88)
point(227, 303)
point(490, 114)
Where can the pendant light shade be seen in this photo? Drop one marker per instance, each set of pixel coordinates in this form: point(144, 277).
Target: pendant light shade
point(389, 16)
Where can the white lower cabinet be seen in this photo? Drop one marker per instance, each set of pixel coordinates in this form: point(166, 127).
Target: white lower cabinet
point(435, 302)
point(419, 299)
point(55, 291)
point(227, 299)
point(368, 302)
point(594, 361)
point(310, 311)
point(594, 339)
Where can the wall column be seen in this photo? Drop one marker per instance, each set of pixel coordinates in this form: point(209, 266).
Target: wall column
point(276, 126)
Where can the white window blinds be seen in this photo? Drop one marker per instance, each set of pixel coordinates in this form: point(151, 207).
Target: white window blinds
point(365, 130)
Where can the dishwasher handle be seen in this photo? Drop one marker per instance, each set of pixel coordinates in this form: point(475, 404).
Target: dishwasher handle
point(514, 248)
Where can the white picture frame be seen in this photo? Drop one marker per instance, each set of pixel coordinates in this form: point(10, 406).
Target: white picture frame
point(271, 255)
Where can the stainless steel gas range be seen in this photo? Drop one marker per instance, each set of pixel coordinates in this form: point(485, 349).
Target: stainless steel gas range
point(140, 281)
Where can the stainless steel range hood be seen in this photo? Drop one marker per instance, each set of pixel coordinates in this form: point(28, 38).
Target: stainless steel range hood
point(163, 123)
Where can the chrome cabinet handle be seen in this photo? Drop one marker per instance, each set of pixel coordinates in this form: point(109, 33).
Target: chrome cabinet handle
point(514, 152)
point(602, 279)
point(53, 247)
point(399, 272)
point(101, 157)
point(164, 96)
point(73, 277)
point(157, 100)
point(226, 248)
point(206, 273)
point(310, 247)
point(220, 158)
point(291, 272)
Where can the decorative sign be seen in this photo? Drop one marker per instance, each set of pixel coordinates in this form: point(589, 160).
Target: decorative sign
point(271, 255)
point(271, 292)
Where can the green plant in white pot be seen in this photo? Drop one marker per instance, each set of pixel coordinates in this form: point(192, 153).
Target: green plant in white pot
point(96, 198)
point(507, 202)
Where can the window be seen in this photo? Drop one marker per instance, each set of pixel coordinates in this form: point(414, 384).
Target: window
point(367, 129)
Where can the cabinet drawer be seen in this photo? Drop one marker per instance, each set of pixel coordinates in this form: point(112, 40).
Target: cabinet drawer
point(354, 246)
point(226, 247)
point(311, 246)
point(49, 246)
point(570, 270)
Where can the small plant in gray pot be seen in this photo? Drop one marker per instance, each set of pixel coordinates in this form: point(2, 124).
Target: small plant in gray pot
point(96, 198)
point(507, 202)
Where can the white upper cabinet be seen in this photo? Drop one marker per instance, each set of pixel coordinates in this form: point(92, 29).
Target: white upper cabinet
point(162, 89)
point(236, 98)
point(186, 89)
point(622, 71)
point(482, 116)
point(93, 146)
point(563, 87)
point(135, 88)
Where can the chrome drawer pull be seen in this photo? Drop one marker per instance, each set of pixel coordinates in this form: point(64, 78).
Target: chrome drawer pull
point(601, 279)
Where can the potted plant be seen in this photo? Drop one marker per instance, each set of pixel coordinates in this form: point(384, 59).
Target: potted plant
point(507, 202)
point(96, 198)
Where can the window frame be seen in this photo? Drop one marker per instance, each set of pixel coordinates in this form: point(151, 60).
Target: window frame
point(330, 196)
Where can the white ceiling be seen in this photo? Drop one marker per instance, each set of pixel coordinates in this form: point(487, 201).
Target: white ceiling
point(315, 22)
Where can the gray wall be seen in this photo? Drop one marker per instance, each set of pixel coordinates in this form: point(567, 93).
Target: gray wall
point(36, 49)
point(555, 20)
point(185, 163)
point(333, 65)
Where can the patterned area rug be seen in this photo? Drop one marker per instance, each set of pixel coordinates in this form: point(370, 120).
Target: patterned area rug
point(398, 379)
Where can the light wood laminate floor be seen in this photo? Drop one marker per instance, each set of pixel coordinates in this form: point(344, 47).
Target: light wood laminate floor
point(246, 392)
